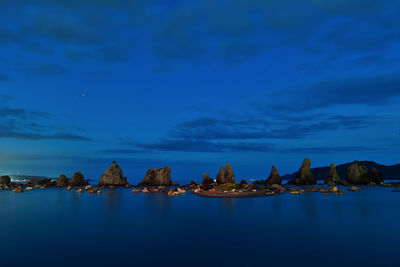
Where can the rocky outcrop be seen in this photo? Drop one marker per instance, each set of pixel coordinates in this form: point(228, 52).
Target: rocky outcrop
point(206, 179)
point(113, 176)
point(158, 177)
point(5, 180)
point(33, 182)
point(304, 176)
point(221, 176)
point(354, 188)
point(357, 173)
point(229, 175)
point(62, 181)
point(78, 179)
point(375, 176)
point(226, 176)
point(40, 182)
point(333, 176)
point(274, 177)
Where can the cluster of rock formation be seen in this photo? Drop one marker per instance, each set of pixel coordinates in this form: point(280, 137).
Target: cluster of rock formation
point(226, 176)
point(375, 176)
point(356, 174)
point(207, 179)
point(113, 176)
point(304, 175)
point(5, 180)
point(274, 177)
point(62, 181)
point(40, 182)
point(158, 177)
point(78, 180)
point(359, 174)
point(333, 176)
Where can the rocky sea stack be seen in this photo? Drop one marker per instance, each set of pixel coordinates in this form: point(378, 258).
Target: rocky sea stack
point(5, 180)
point(274, 177)
point(226, 176)
point(333, 176)
point(78, 179)
point(304, 175)
point(357, 173)
point(62, 181)
point(158, 177)
point(206, 179)
point(113, 176)
point(375, 176)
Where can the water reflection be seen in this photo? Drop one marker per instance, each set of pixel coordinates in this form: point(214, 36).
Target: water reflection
point(276, 203)
point(362, 204)
point(309, 205)
point(112, 200)
point(228, 204)
point(264, 228)
point(337, 208)
point(75, 202)
point(157, 202)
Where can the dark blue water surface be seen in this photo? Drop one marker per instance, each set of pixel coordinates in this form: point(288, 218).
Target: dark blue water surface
point(52, 227)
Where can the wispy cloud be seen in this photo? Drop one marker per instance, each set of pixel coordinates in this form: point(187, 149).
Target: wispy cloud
point(186, 145)
point(4, 77)
point(21, 123)
point(45, 69)
point(283, 127)
point(5, 98)
point(233, 31)
point(379, 89)
point(206, 134)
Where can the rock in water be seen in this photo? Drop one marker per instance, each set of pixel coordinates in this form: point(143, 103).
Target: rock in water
point(206, 179)
point(33, 182)
point(226, 176)
point(229, 175)
point(5, 180)
point(304, 175)
point(62, 181)
point(354, 188)
point(158, 177)
point(40, 182)
point(113, 176)
point(333, 176)
point(375, 176)
point(221, 176)
point(78, 179)
point(357, 173)
point(274, 177)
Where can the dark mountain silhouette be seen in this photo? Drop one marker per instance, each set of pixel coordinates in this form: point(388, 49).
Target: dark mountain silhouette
point(19, 177)
point(388, 172)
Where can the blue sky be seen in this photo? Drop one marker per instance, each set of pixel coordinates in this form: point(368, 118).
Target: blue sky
point(196, 84)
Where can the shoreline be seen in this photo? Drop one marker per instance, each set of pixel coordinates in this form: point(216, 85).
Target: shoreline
point(210, 191)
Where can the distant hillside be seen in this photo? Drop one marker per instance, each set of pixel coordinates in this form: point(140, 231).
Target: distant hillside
point(17, 177)
point(388, 172)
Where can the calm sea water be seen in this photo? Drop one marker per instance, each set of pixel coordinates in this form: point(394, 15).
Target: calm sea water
point(52, 227)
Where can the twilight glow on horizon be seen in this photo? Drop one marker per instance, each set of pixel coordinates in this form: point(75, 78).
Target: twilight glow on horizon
point(196, 84)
